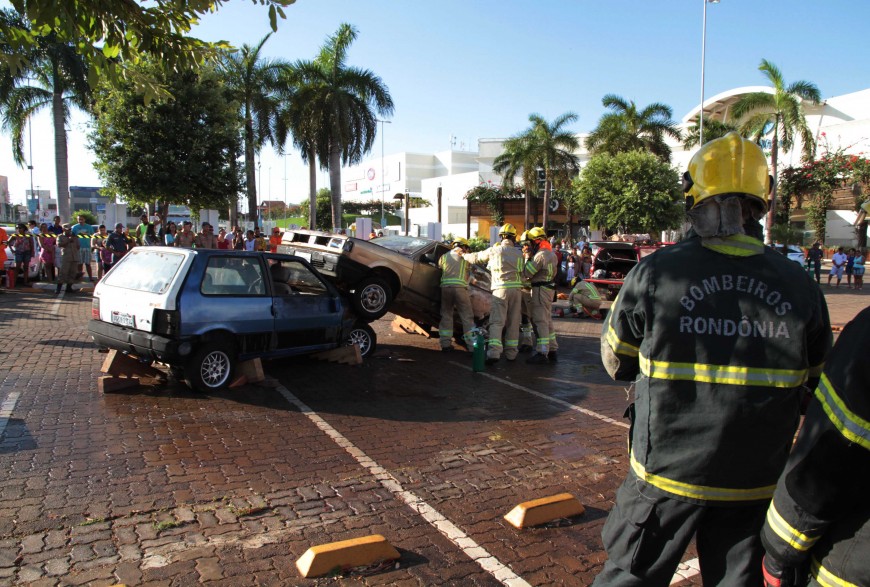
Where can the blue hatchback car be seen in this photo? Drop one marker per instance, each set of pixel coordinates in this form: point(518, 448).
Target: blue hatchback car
point(201, 311)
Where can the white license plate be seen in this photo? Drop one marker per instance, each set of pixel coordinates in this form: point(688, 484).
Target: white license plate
point(124, 319)
point(306, 256)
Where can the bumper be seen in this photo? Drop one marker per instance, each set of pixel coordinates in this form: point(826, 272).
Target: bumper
point(142, 344)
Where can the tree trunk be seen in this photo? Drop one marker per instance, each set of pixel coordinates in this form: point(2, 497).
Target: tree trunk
point(61, 168)
point(771, 213)
point(547, 187)
point(250, 178)
point(335, 184)
point(528, 211)
point(312, 189)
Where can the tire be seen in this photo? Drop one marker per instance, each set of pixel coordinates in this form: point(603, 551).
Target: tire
point(211, 367)
point(363, 335)
point(371, 298)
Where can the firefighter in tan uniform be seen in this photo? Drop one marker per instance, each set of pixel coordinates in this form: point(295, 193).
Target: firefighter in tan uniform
point(540, 269)
point(505, 263)
point(455, 276)
point(722, 337)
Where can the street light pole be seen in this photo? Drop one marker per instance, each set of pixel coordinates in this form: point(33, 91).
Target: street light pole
point(703, 56)
point(383, 186)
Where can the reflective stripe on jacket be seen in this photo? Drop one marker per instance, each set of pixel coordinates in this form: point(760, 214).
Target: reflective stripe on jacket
point(454, 269)
point(591, 290)
point(820, 510)
point(505, 263)
point(542, 267)
point(720, 345)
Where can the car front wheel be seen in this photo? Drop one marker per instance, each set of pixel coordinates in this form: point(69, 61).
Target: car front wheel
point(362, 335)
point(211, 367)
point(371, 298)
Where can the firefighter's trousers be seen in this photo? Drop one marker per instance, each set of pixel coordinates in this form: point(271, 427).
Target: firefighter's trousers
point(504, 324)
point(646, 535)
point(455, 297)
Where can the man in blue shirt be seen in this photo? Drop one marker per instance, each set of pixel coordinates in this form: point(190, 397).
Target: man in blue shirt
point(83, 232)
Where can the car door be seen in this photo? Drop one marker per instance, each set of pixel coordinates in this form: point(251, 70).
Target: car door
point(308, 312)
point(425, 283)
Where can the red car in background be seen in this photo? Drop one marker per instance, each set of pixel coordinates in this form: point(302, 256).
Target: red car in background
point(611, 262)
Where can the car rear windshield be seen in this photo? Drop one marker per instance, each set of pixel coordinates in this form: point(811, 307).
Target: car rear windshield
point(404, 245)
point(146, 270)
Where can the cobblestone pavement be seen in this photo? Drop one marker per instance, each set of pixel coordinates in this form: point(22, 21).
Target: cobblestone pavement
point(163, 486)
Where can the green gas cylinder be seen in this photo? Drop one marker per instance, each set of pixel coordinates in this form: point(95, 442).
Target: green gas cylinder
point(479, 352)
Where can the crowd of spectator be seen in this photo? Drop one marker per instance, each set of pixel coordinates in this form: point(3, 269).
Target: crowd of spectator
point(68, 251)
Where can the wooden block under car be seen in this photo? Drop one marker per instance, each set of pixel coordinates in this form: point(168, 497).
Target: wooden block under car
point(400, 324)
point(252, 371)
point(117, 363)
point(346, 355)
point(111, 384)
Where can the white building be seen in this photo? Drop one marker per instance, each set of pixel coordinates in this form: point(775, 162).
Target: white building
point(838, 122)
point(420, 175)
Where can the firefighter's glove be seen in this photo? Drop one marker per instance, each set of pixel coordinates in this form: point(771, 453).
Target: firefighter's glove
point(777, 575)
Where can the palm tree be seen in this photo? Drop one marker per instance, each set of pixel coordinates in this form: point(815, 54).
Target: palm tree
point(253, 81)
point(781, 112)
point(627, 129)
point(55, 76)
point(544, 146)
point(713, 129)
point(297, 118)
point(343, 104)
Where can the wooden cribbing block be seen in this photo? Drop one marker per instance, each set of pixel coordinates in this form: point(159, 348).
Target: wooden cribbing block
point(356, 552)
point(117, 363)
point(545, 509)
point(252, 371)
point(346, 355)
point(111, 384)
point(400, 324)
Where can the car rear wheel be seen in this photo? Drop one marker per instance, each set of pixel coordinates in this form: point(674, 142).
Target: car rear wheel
point(211, 367)
point(371, 298)
point(363, 335)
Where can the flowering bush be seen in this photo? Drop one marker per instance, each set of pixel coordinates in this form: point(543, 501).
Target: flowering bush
point(492, 195)
point(817, 181)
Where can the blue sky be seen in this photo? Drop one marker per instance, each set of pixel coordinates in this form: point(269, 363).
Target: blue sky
point(477, 68)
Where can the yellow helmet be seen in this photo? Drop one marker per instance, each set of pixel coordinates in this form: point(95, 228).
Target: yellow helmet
point(730, 165)
point(536, 233)
point(508, 229)
point(524, 238)
point(458, 240)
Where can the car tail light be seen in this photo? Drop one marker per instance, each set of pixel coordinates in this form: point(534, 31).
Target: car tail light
point(95, 308)
point(165, 322)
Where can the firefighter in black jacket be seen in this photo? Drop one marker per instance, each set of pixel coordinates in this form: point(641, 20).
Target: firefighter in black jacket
point(819, 521)
point(720, 335)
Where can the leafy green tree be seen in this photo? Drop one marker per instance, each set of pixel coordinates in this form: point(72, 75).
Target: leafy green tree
point(342, 104)
point(626, 128)
point(545, 146)
point(634, 191)
point(90, 217)
point(781, 112)
point(178, 151)
point(53, 77)
point(322, 217)
point(713, 129)
point(253, 83)
point(110, 36)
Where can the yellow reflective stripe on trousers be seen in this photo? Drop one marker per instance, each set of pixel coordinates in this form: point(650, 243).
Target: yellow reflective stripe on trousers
point(791, 536)
point(826, 578)
point(703, 492)
point(619, 346)
point(852, 426)
point(722, 373)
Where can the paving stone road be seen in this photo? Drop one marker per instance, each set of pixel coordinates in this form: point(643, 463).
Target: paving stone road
point(164, 486)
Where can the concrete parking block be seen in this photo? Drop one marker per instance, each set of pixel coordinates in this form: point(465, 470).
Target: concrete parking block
point(356, 552)
point(545, 509)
